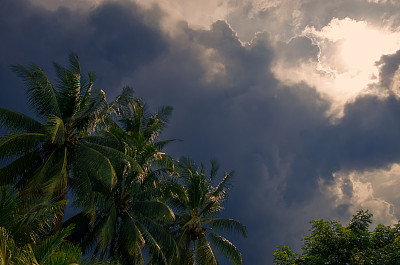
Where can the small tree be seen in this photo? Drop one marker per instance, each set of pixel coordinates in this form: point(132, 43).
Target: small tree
point(331, 243)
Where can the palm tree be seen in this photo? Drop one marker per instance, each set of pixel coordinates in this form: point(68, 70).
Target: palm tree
point(129, 216)
point(197, 224)
point(24, 232)
point(42, 154)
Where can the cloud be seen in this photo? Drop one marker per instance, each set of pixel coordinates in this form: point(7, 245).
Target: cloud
point(251, 94)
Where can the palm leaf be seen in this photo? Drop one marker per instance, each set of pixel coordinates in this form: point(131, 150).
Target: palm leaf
point(19, 122)
point(105, 229)
point(69, 87)
point(224, 185)
point(66, 254)
point(229, 225)
point(204, 253)
point(50, 245)
point(51, 176)
point(153, 209)
point(9, 203)
point(117, 155)
point(12, 145)
point(150, 240)
point(38, 221)
point(41, 94)
point(130, 236)
point(7, 247)
point(20, 167)
point(97, 165)
point(226, 248)
point(55, 130)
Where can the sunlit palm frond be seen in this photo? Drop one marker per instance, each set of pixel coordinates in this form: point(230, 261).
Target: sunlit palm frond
point(45, 250)
point(151, 242)
point(228, 225)
point(7, 247)
point(204, 253)
point(65, 254)
point(223, 186)
point(226, 248)
point(55, 130)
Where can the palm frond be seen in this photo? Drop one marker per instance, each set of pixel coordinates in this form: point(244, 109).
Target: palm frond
point(55, 130)
point(163, 236)
point(18, 122)
point(96, 163)
point(92, 115)
point(116, 155)
point(154, 209)
point(66, 254)
point(12, 145)
point(223, 186)
point(41, 93)
point(47, 177)
point(7, 247)
point(151, 242)
point(9, 203)
point(228, 225)
point(105, 229)
point(213, 172)
point(19, 168)
point(50, 245)
point(204, 253)
point(38, 221)
point(58, 181)
point(131, 236)
point(228, 249)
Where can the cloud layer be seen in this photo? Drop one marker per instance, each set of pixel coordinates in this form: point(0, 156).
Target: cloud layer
point(246, 90)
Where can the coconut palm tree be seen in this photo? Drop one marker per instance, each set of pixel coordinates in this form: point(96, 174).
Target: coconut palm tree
point(41, 154)
point(129, 216)
point(24, 232)
point(197, 224)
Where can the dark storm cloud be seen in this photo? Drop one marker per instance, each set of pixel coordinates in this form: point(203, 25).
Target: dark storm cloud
point(227, 104)
point(112, 38)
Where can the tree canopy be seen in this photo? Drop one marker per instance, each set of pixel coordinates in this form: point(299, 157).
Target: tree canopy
point(332, 243)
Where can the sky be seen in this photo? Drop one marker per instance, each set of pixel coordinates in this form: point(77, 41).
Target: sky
point(299, 97)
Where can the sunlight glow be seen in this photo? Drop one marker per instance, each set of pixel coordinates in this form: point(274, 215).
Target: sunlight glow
point(349, 51)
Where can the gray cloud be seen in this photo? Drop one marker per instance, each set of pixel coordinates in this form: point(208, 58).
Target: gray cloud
point(228, 104)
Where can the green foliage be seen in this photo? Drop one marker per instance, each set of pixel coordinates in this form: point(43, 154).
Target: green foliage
point(331, 243)
point(135, 204)
point(197, 225)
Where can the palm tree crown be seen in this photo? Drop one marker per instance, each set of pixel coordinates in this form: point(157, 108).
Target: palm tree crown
point(196, 216)
point(42, 154)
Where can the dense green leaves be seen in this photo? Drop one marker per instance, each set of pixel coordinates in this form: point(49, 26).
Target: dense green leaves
point(331, 243)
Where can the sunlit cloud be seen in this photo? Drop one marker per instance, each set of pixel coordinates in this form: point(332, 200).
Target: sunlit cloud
point(374, 190)
point(346, 63)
